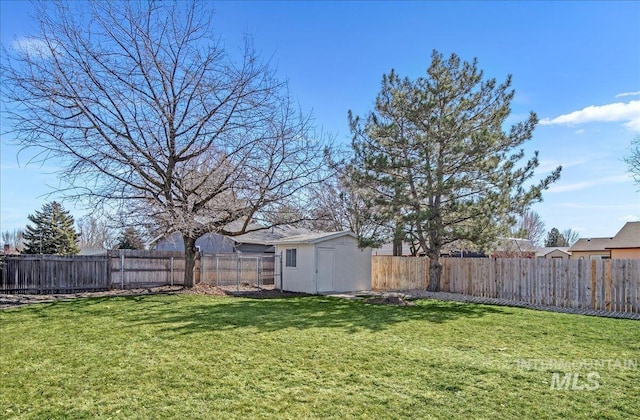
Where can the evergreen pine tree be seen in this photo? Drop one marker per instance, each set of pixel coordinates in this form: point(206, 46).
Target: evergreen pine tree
point(52, 232)
point(130, 239)
point(555, 238)
point(438, 161)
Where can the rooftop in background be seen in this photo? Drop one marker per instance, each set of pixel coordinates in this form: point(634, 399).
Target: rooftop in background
point(627, 237)
point(541, 252)
point(270, 235)
point(315, 237)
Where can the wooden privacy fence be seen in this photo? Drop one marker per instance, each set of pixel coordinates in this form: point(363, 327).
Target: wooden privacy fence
point(54, 274)
point(612, 285)
point(128, 269)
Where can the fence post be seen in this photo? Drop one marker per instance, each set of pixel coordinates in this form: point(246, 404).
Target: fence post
point(107, 274)
point(281, 276)
point(259, 271)
point(217, 269)
point(202, 272)
point(238, 272)
point(122, 270)
point(172, 270)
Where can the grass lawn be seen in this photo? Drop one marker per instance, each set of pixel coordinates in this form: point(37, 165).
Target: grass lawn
point(192, 356)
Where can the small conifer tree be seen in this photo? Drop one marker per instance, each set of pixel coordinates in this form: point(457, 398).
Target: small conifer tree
point(130, 239)
point(51, 232)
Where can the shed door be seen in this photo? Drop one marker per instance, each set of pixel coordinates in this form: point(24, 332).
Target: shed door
point(325, 269)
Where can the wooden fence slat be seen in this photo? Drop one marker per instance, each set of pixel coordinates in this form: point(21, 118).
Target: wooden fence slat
point(122, 268)
point(612, 285)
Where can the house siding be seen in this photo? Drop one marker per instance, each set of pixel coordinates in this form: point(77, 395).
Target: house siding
point(625, 253)
point(576, 255)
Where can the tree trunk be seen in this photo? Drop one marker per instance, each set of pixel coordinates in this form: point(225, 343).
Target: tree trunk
point(435, 270)
point(397, 241)
point(189, 260)
point(397, 247)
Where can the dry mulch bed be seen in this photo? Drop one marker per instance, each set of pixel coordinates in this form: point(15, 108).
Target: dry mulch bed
point(245, 290)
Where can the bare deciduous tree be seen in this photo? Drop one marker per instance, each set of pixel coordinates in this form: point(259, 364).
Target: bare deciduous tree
point(571, 236)
point(146, 110)
point(13, 238)
point(96, 233)
point(339, 205)
point(529, 226)
point(633, 159)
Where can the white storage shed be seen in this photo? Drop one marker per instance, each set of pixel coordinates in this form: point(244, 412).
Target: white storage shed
point(320, 263)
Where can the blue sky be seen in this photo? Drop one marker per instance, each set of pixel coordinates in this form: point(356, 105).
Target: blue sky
point(576, 64)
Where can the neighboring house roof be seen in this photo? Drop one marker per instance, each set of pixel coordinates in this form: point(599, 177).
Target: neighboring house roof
point(627, 237)
point(92, 251)
point(255, 241)
point(591, 244)
point(387, 249)
point(514, 244)
point(316, 237)
point(9, 250)
point(542, 252)
point(269, 236)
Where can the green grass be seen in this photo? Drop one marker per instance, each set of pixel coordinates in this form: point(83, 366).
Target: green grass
point(190, 356)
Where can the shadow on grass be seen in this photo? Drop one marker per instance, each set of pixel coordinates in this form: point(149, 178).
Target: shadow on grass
point(186, 315)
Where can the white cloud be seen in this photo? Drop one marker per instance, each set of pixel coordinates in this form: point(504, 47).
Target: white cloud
point(549, 165)
point(32, 46)
point(628, 218)
point(609, 207)
point(623, 94)
point(628, 113)
point(588, 184)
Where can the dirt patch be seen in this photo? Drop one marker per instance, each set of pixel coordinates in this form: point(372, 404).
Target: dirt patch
point(389, 300)
point(9, 301)
point(244, 290)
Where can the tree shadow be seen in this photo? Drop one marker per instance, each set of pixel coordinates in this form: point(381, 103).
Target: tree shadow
point(186, 316)
point(178, 315)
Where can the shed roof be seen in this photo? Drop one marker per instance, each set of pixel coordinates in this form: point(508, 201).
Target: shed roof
point(541, 252)
point(315, 237)
point(270, 235)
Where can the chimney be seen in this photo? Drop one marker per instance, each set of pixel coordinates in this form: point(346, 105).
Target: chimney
point(7, 248)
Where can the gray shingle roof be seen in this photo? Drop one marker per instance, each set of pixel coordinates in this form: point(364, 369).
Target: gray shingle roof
point(269, 236)
point(591, 244)
point(628, 237)
point(315, 237)
point(541, 252)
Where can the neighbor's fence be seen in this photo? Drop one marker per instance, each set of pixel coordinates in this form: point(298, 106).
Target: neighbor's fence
point(131, 269)
point(612, 285)
point(54, 274)
point(237, 269)
point(128, 269)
